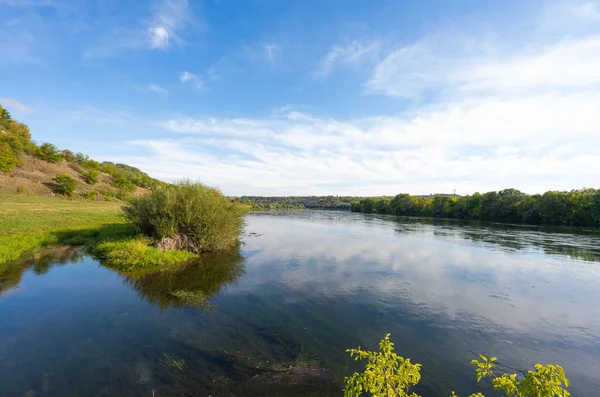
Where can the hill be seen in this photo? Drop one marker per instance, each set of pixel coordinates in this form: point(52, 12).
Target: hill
point(28, 168)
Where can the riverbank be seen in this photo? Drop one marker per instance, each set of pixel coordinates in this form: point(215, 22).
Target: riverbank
point(29, 223)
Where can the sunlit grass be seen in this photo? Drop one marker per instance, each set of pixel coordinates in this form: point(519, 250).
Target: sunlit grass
point(137, 253)
point(29, 224)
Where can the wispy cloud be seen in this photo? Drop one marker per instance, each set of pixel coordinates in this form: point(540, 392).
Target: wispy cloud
point(561, 53)
point(350, 53)
point(271, 50)
point(159, 32)
point(187, 77)
point(156, 88)
point(11, 103)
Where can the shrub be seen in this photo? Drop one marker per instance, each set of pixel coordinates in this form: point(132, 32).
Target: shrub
point(390, 375)
point(188, 216)
point(48, 152)
point(8, 158)
point(91, 195)
point(64, 184)
point(91, 177)
point(121, 182)
point(68, 155)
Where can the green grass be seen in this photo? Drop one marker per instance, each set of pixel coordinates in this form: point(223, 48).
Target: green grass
point(138, 254)
point(29, 224)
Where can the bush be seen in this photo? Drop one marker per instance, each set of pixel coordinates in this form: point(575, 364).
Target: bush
point(91, 177)
point(121, 182)
point(8, 158)
point(48, 152)
point(388, 374)
point(68, 155)
point(187, 216)
point(64, 184)
point(91, 195)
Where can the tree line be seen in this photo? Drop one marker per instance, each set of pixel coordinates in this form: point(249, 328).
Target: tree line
point(579, 207)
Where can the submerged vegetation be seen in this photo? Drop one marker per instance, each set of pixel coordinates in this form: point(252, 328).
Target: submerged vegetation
point(187, 216)
point(389, 375)
point(572, 208)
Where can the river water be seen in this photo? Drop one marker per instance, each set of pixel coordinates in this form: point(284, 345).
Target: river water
point(301, 288)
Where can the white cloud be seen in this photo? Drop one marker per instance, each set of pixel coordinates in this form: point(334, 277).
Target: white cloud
point(159, 37)
point(13, 104)
point(351, 53)
point(162, 30)
point(271, 50)
point(535, 143)
point(185, 76)
point(156, 88)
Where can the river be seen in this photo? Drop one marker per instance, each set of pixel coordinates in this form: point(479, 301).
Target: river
point(302, 287)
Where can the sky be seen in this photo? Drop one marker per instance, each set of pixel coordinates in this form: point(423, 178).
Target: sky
point(303, 97)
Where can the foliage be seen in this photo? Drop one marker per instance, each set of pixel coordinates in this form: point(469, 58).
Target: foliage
point(121, 182)
point(298, 202)
point(129, 254)
point(386, 374)
point(91, 195)
point(91, 177)
point(48, 152)
point(389, 375)
point(188, 211)
point(573, 208)
point(64, 184)
point(8, 158)
point(543, 381)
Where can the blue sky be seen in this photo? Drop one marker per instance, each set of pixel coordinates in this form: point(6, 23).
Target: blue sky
point(315, 97)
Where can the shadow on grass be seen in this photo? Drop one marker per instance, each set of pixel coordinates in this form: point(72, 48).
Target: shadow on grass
point(91, 236)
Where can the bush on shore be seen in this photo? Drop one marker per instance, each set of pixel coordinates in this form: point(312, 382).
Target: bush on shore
point(188, 216)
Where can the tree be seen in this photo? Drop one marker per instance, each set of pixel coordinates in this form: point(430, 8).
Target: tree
point(64, 184)
point(4, 114)
point(8, 159)
point(48, 152)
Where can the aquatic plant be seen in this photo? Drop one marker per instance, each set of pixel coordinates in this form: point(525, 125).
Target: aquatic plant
point(389, 375)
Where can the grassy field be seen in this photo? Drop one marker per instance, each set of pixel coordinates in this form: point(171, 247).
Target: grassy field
point(32, 223)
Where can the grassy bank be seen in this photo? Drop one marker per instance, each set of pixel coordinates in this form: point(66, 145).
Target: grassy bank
point(29, 224)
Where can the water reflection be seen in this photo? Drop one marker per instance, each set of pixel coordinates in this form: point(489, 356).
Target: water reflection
point(192, 285)
point(40, 263)
point(301, 289)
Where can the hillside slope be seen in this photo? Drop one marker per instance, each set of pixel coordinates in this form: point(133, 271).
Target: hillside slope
point(28, 168)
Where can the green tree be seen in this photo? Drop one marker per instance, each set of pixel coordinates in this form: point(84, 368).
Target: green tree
point(48, 152)
point(8, 158)
point(91, 177)
point(4, 114)
point(64, 184)
point(121, 182)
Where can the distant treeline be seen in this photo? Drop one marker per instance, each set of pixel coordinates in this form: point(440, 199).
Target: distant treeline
point(299, 202)
point(571, 208)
